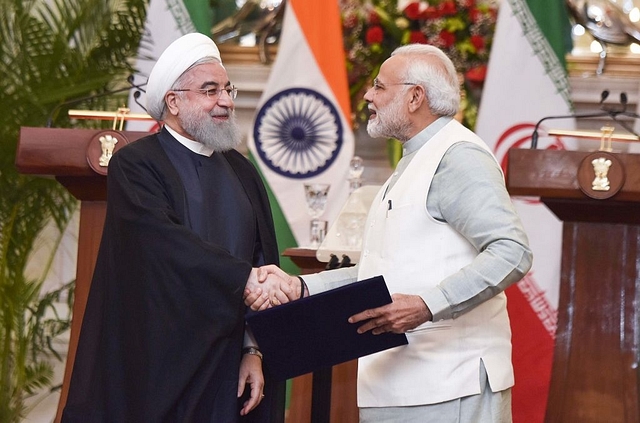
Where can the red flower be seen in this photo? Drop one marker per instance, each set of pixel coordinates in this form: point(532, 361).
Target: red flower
point(430, 12)
point(447, 38)
point(477, 74)
point(477, 41)
point(412, 11)
point(417, 37)
point(475, 15)
point(373, 18)
point(374, 35)
point(447, 8)
point(468, 3)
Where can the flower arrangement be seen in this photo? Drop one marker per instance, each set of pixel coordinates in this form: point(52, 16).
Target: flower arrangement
point(463, 29)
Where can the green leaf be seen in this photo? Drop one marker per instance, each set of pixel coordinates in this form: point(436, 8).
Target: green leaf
point(51, 51)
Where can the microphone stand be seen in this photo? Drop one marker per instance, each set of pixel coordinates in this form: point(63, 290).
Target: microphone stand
point(611, 113)
point(91, 97)
point(136, 96)
point(534, 135)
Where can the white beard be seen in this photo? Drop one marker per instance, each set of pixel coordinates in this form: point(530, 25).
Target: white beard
point(389, 122)
point(220, 136)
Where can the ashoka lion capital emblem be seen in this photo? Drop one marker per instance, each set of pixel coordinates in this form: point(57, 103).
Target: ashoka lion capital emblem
point(601, 167)
point(108, 143)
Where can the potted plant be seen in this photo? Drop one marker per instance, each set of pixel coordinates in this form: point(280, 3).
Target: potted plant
point(51, 51)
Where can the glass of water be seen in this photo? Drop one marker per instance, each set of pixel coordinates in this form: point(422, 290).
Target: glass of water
point(316, 196)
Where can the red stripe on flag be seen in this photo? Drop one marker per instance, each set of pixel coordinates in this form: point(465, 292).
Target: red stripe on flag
point(532, 359)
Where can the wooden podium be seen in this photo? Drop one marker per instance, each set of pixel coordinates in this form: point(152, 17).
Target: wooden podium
point(72, 156)
point(595, 368)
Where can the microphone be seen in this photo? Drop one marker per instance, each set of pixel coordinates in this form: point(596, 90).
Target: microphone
point(130, 79)
point(534, 136)
point(615, 113)
point(610, 112)
point(91, 97)
point(136, 96)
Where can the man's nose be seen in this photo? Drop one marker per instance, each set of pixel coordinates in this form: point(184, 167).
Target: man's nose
point(225, 100)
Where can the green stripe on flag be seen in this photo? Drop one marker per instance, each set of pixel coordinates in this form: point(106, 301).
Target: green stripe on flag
point(553, 20)
point(284, 235)
point(554, 67)
point(201, 15)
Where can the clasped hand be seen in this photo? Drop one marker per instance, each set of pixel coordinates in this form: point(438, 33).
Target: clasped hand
point(270, 286)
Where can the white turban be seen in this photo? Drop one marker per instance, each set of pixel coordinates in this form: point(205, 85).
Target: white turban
point(177, 58)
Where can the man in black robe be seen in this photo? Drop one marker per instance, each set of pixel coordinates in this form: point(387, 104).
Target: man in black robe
point(188, 222)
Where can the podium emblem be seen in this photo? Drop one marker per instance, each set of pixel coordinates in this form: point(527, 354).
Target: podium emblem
point(108, 143)
point(101, 147)
point(601, 175)
point(601, 167)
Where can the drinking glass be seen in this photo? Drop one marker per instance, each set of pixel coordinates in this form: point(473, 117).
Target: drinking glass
point(316, 196)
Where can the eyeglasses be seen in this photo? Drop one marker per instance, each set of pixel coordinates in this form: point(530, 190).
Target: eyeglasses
point(377, 86)
point(214, 93)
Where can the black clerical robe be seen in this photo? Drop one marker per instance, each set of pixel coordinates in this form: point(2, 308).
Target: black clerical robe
point(162, 332)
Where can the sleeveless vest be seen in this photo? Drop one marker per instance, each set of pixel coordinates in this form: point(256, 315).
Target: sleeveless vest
point(415, 253)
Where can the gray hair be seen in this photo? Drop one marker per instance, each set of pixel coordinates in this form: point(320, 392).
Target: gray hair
point(434, 71)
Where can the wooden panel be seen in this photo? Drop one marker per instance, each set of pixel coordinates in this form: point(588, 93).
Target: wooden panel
point(344, 400)
point(62, 153)
point(300, 403)
point(553, 174)
point(595, 369)
point(92, 215)
point(58, 151)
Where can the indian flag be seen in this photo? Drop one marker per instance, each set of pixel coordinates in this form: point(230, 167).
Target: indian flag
point(527, 81)
point(301, 133)
point(167, 20)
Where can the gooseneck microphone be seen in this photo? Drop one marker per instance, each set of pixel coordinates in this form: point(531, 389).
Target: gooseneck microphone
point(534, 135)
point(136, 96)
point(612, 113)
point(137, 87)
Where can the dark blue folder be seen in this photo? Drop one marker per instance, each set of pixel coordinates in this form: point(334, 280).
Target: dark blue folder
point(313, 333)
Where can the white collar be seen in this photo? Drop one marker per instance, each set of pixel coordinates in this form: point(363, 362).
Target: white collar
point(195, 146)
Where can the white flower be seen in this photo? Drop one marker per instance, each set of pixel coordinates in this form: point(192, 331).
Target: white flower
point(402, 4)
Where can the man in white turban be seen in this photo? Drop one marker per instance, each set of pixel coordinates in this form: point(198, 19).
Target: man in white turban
point(188, 222)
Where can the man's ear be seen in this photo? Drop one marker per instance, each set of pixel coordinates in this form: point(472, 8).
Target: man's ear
point(418, 98)
point(171, 100)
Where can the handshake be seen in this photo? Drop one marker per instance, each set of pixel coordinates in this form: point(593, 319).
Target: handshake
point(270, 286)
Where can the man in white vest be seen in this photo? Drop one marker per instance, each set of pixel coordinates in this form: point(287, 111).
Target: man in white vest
point(445, 236)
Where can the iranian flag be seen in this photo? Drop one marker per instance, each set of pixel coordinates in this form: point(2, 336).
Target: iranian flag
point(301, 132)
point(167, 20)
point(527, 81)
